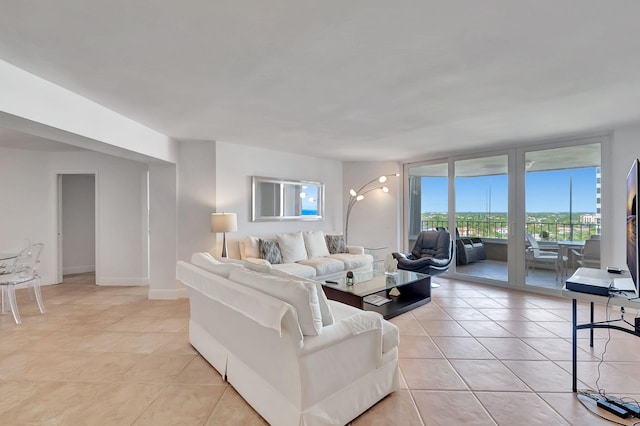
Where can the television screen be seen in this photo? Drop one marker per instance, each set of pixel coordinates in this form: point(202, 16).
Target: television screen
point(632, 223)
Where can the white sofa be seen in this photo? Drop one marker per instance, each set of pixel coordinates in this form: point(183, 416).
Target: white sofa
point(307, 255)
point(295, 357)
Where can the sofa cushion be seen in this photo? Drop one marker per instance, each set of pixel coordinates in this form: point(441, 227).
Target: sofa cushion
point(209, 263)
point(335, 244)
point(292, 247)
point(270, 251)
point(315, 244)
point(353, 261)
point(325, 309)
point(300, 294)
point(297, 269)
point(324, 265)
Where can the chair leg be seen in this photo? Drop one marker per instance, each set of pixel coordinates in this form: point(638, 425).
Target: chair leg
point(11, 291)
point(36, 291)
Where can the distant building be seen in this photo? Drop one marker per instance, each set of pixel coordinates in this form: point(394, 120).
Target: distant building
point(590, 218)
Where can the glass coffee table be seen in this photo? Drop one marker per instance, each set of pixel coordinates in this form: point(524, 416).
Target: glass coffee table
point(387, 294)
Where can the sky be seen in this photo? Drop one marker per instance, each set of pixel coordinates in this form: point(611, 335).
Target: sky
point(546, 191)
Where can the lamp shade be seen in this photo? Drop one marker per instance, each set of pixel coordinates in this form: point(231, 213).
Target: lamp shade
point(224, 222)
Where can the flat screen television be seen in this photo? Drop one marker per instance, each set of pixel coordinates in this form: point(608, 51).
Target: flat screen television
point(632, 222)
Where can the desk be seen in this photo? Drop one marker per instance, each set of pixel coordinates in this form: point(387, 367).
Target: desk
point(613, 299)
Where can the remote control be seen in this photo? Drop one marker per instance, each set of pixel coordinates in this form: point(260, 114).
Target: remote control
point(331, 282)
point(614, 270)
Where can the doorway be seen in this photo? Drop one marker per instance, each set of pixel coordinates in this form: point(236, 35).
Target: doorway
point(76, 224)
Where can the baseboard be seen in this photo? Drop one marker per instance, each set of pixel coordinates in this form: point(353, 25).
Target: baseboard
point(71, 270)
point(178, 293)
point(131, 281)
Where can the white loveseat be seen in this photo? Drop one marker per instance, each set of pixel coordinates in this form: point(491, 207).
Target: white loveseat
point(295, 357)
point(307, 254)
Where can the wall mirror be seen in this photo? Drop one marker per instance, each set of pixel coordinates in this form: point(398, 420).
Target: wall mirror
point(274, 199)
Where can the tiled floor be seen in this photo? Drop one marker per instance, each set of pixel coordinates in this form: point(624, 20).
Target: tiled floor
point(474, 355)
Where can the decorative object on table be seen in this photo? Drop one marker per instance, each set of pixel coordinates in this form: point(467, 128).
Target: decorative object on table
point(349, 280)
point(359, 196)
point(390, 265)
point(224, 222)
point(394, 291)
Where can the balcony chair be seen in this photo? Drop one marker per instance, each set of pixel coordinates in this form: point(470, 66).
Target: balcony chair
point(432, 254)
point(589, 256)
point(23, 271)
point(536, 256)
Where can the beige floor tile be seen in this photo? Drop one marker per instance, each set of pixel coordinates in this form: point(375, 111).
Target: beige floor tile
point(178, 344)
point(484, 329)
point(431, 374)
point(462, 348)
point(18, 393)
point(541, 376)
point(525, 329)
point(120, 404)
point(444, 328)
point(465, 314)
point(200, 372)
point(408, 325)
point(488, 375)
point(418, 347)
point(451, 302)
point(484, 303)
point(509, 348)
point(557, 349)
point(430, 311)
point(443, 408)
point(572, 410)
point(181, 405)
point(503, 314)
point(396, 409)
point(105, 367)
point(519, 408)
point(232, 410)
point(158, 368)
point(145, 343)
point(52, 366)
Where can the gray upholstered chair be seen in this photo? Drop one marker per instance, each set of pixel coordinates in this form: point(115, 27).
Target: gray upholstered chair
point(432, 253)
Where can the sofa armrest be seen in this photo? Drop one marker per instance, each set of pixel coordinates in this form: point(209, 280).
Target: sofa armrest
point(355, 249)
point(343, 330)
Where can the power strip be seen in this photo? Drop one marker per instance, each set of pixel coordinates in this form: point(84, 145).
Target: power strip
point(631, 407)
point(612, 408)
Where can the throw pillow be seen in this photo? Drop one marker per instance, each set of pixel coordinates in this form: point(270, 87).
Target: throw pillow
point(316, 244)
point(251, 247)
point(270, 251)
point(335, 244)
point(292, 247)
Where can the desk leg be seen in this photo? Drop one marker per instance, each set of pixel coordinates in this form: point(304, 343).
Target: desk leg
point(574, 348)
point(591, 329)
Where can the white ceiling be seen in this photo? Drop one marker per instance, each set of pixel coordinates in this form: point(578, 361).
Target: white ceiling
point(351, 80)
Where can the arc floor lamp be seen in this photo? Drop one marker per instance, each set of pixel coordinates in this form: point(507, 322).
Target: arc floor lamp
point(359, 196)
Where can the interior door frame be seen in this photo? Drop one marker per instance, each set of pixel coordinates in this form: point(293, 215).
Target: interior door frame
point(58, 231)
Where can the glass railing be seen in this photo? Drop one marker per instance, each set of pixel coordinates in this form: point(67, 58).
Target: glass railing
point(542, 231)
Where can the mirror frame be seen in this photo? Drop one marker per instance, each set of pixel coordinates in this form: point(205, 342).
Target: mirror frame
point(257, 180)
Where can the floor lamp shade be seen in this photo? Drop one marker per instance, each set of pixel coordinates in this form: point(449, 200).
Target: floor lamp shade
point(224, 222)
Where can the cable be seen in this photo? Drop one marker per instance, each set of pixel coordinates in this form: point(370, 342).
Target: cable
point(602, 392)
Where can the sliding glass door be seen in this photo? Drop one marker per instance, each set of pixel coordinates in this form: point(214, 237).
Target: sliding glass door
point(524, 217)
point(563, 189)
point(482, 217)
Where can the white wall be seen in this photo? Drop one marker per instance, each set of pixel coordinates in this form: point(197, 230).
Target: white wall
point(196, 197)
point(78, 224)
point(24, 213)
point(375, 220)
point(625, 148)
point(121, 234)
point(235, 164)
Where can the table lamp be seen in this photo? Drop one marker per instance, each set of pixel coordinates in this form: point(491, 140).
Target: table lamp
point(224, 222)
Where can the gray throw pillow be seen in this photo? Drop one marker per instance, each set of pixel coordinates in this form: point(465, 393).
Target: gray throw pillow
point(335, 244)
point(270, 251)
